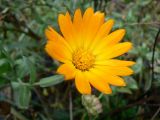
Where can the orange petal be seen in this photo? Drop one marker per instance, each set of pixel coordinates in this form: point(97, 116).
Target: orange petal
point(86, 18)
point(120, 71)
point(67, 29)
point(114, 51)
point(87, 14)
point(115, 80)
point(65, 23)
point(77, 20)
point(52, 35)
point(91, 28)
point(115, 36)
point(98, 83)
point(68, 70)
point(110, 40)
point(109, 78)
point(114, 63)
point(82, 83)
point(56, 46)
point(77, 23)
point(102, 32)
point(105, 28)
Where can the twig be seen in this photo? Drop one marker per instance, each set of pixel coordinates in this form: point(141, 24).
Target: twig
point(70, 105)
point(152, 64)
point(144, 23)
point(152, 105)
point(154, 116)
point(153, 53)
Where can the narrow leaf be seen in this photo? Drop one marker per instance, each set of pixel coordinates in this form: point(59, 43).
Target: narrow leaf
point(22, 94)
point(50, 81)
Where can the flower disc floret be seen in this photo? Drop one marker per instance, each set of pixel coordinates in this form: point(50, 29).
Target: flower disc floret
point(83, 59)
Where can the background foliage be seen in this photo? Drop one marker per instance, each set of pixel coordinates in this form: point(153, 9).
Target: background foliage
point(23, 62)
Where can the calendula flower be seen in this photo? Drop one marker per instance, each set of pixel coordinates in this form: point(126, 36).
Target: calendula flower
point(87, 50)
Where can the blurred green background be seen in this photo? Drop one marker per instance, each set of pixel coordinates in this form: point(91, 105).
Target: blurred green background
point(23, 62)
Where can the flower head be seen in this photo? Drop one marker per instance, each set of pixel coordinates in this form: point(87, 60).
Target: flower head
point(87, 50)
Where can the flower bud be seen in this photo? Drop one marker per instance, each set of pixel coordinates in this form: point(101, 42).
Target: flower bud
point(92, 104)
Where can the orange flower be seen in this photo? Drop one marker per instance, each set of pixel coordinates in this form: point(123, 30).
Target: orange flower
point(86, 50)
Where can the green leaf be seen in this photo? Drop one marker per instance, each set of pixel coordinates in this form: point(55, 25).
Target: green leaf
point(22, 94)
point(138, 66)
point(131, 83)
point(148, 82)
point(3, 81)
point(144, 2)
point(26, 67)
point(50, 81)
point(31, 69)
point(124, 90)
point(4, 66)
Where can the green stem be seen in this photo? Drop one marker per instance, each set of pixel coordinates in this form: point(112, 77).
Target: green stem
point(100, 96)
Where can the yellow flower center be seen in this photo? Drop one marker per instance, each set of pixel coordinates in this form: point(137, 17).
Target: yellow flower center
point(83, 59)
